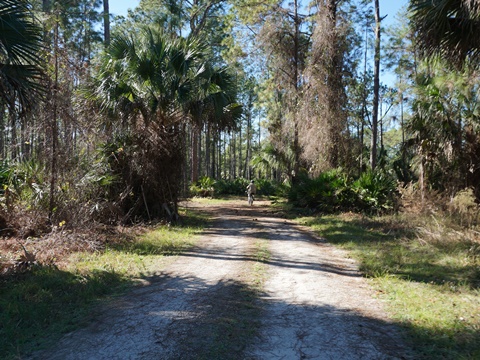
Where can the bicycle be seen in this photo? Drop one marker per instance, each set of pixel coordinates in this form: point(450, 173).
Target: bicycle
point(250, 198)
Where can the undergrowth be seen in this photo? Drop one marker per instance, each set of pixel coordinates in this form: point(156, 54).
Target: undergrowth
point(37, 306)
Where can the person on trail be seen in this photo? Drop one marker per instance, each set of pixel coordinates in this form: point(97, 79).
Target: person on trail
point(251, 188)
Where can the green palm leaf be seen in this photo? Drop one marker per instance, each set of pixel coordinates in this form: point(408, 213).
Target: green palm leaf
point(20, 65)
point(447, 28)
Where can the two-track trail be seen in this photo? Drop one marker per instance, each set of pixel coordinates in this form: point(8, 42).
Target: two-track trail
point(302, 299)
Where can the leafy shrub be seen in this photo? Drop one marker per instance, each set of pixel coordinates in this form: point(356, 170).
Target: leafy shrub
point(238, 187)
point(375, 191)
point(324, 193)
point(334, 191)
point(204, 187)
point(208, 187)
point(235, 186)
point(266, 187)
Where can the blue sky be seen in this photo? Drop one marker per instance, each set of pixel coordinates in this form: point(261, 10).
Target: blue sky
point(390, 7)
point(120, 7)
point(387, 7)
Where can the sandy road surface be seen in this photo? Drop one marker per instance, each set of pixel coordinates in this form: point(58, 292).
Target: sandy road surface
point(313, 304)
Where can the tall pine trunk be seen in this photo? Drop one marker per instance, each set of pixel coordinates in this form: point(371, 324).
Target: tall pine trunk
point(106, 22)
point(376, 88)
point(296, 44)
point(194, 156)
point(54, 126)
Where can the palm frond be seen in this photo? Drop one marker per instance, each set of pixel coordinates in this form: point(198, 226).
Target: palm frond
point(447, 28)
point(20, 64)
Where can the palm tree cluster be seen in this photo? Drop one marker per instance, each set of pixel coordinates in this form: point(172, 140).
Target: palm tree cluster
point(155, 86)
point(111, 138)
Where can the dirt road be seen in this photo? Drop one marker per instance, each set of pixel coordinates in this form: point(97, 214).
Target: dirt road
point(255, 287)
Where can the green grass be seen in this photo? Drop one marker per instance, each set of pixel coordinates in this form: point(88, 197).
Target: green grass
point(228, 323)
point(46, 302)
point(432, 282)
point(231, 311)
point(259, 270)
point(40, 305)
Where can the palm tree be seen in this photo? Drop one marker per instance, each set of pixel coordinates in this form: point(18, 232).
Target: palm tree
point(149, 75)
point(158, 85)
point(20, 64)
point(448, 28)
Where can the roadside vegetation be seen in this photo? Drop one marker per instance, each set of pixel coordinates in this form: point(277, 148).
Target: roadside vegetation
point(422, 257)
point(424, 262)
point(40, 303)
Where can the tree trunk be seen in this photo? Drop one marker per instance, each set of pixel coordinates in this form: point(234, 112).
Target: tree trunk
point(249, 139)
point(194, 156)
point(54, 129)
point(240, 153)
point(207, 151)
point(376, 88)
point(335, 93)
point(296, 44)
point(225, 160)
point(23, 138)
point(46, 5)
point(214, 157)
point(234, 155)
point(106, 22)
point(13, 134)
point(365, 96)
point(2, 131)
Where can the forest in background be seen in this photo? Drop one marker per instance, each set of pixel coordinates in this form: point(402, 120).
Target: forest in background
point(113, 119)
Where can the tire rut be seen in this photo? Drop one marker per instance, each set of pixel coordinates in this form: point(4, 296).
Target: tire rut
point(313, 305)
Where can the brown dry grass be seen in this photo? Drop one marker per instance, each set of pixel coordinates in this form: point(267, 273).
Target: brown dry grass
point(54, 249)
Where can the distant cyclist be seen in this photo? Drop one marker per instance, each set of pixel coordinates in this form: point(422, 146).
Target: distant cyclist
point(251, 191)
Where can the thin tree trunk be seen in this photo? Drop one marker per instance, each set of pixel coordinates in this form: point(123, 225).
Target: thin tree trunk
point(54, 129)
point(194, 157)
point(207, 151)
point(23, 137)
point(2, 131)
point(402, 125)
point(296, 45)
point(376, 87)
point(219, 156)
point(249, 139)
point(214, 156)
point(106, 22)
point(234, 155)
point(187, 144)
point(240, 153)
point(365, 95)
point(199, 151)
point(380, 112)
point(422, 180)
point(13, 135)
point(225, 160)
